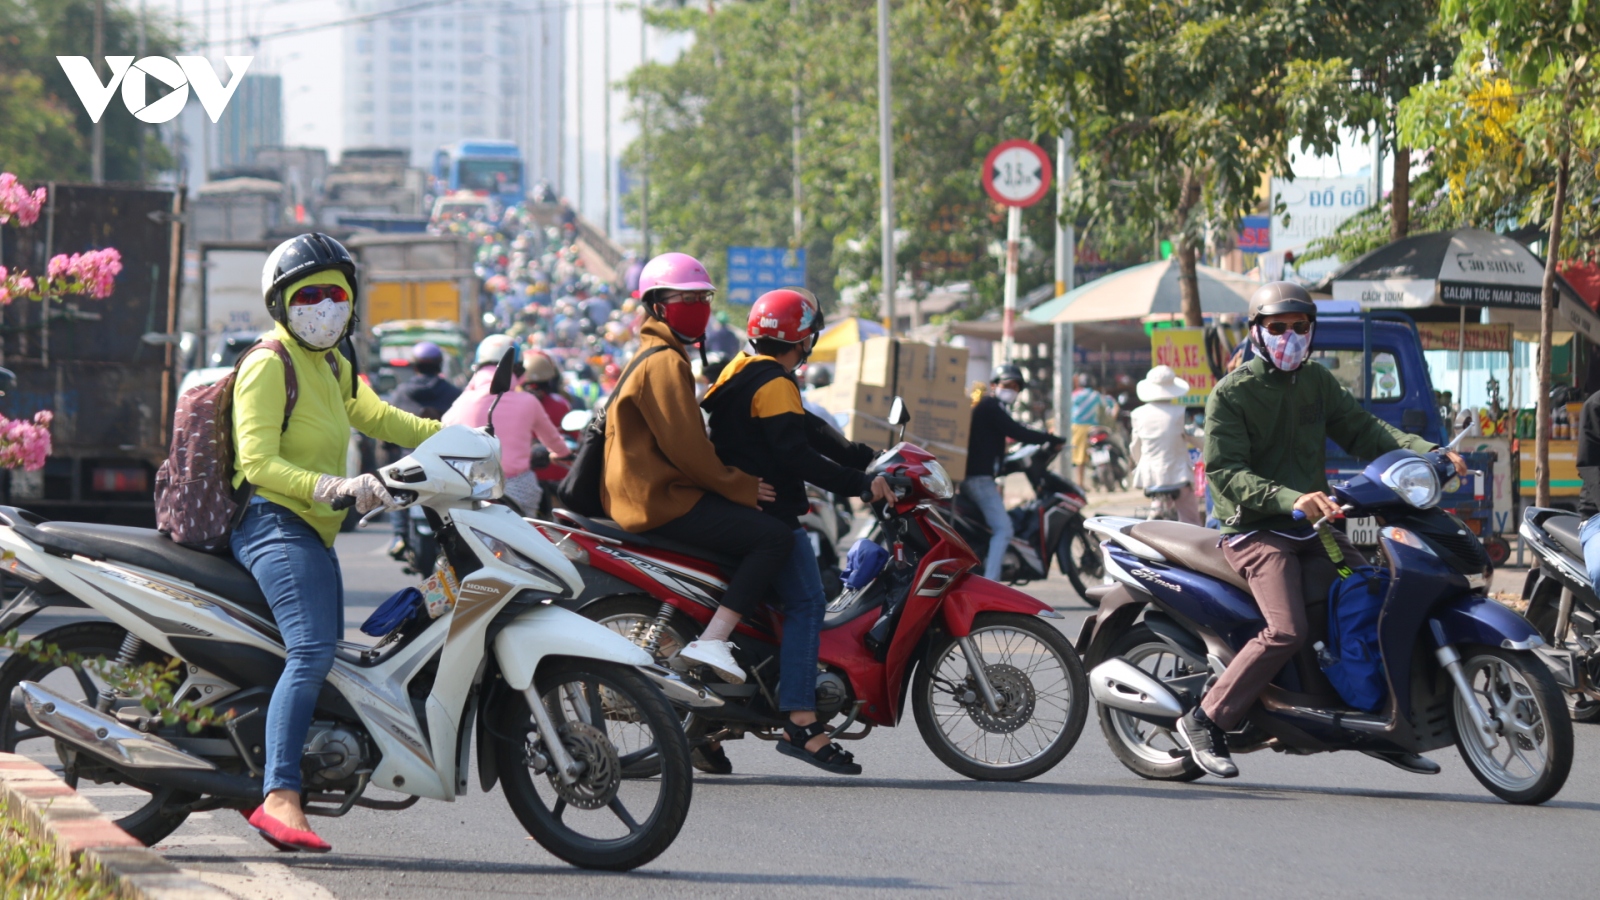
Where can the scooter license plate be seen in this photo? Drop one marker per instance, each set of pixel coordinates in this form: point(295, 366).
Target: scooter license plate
point(1363, 532)
point(1099, 456)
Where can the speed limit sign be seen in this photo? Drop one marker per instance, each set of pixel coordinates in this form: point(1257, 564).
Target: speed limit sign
point(1016, 173)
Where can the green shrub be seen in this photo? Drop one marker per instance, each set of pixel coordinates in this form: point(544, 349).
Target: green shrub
point(30, 870)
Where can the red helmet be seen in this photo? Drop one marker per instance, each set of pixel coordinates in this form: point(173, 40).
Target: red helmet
point(790, 315)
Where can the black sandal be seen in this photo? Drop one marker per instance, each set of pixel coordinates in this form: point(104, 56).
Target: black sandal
point(832, 757)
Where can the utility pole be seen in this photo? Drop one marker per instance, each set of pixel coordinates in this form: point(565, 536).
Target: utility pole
point(139, 43)
point(97, 133)
point(605, 107)
point(644, 141)
point(794, 114)
point(577, 42)
point(886, 166)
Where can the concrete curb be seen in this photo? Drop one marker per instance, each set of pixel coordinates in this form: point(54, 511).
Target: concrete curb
point(50, 810)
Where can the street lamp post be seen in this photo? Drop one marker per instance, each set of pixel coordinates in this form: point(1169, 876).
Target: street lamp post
point(886, 166)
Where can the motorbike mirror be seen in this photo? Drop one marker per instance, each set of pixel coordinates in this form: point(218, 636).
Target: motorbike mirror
point(577, 420)
point(501, 383)
point(898, 415)
point(8, 381)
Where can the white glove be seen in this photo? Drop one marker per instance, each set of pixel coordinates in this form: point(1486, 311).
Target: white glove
point(367, 489)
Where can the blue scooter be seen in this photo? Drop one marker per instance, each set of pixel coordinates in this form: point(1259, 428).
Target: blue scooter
point(1459, 667)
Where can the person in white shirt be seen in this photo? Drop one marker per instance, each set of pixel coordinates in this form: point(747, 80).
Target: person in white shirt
point(1160, 446)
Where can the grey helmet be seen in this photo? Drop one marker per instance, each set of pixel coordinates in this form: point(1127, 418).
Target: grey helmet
point(1278, 297)
point(1007, 372)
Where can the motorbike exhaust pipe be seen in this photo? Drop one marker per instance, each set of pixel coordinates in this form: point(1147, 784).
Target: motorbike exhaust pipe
point(681, 690)
point(1120, 684)
point(98, 733)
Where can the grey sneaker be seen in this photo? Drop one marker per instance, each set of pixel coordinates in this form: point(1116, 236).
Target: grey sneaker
point(1208, 744)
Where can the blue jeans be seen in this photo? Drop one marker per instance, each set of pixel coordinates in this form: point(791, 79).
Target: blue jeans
point(986, 493)
point(1591, 548)
point(799, 585)
point(300, 576)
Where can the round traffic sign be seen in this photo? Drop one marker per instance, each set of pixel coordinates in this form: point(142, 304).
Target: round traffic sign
point(1016, 173)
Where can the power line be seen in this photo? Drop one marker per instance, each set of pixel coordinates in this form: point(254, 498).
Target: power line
point(338, 23)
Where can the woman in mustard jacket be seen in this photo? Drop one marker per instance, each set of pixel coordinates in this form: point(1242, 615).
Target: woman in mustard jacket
point(296, 468)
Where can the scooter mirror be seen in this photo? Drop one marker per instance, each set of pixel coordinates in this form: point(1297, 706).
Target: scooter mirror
point(8, 381)
point(577, 420)
point(898, 415)
point(501, 383)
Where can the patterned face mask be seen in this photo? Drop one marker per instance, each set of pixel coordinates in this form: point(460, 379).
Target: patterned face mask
point(320, 325)
point(1288, 350)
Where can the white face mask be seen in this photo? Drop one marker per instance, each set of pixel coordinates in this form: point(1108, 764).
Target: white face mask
point(320, 325)
point(1007, 396)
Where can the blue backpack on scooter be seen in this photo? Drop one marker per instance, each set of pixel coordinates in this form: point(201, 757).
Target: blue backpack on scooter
point(1352, 659)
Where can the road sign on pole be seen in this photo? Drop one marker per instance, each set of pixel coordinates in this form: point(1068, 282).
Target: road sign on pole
point(752, 271)
point(1016, 174)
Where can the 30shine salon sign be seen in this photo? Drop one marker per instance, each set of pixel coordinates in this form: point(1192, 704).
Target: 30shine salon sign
point(180, 75)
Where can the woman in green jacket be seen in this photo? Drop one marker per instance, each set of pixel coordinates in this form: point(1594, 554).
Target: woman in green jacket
point(296, 467)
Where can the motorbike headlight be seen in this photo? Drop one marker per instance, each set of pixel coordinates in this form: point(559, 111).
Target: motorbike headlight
point(937, 481)
point(509, 555)
point(483, 476)
point(1415, 481)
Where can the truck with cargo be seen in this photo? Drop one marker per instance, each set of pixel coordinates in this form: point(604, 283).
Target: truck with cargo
point(417, 276)
point(105, 368)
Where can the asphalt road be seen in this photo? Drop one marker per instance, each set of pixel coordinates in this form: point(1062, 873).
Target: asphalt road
point(1331, 825)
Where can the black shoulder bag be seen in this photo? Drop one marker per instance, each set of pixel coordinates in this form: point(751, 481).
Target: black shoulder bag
point(580, 490)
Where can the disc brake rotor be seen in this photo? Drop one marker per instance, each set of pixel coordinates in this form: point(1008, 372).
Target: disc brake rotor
point(1014, 699)
point(602, 774)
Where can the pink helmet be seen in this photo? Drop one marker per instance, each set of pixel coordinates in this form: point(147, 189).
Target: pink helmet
point(673, 271)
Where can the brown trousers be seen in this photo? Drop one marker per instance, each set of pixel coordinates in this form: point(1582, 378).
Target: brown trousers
point(1275, 567)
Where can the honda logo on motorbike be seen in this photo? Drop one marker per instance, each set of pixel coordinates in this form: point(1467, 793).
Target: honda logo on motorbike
point(180, 75)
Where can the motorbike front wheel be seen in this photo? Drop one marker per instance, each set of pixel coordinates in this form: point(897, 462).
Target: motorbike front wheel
point(1532, 755)
point(1078, 557)
point(609, 718)
point(1042, 699)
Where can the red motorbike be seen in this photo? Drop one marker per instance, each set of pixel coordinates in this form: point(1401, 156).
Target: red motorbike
point(997, 692)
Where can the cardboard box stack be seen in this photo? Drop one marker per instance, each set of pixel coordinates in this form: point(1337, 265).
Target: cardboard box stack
point(932, 382)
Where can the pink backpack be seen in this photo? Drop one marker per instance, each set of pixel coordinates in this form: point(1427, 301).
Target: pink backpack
point(196, 503)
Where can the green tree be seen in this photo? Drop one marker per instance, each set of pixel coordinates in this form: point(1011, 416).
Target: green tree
point(1178, 106)
point(720, 152)
point(32, 34)
point(1526, 78)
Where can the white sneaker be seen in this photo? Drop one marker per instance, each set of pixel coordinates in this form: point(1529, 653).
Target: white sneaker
point(716, 654)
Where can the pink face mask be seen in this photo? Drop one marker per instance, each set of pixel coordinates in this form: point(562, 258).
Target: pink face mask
point(1288, 350)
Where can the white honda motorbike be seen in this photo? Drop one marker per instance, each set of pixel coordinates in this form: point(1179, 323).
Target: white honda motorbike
point(569, 717)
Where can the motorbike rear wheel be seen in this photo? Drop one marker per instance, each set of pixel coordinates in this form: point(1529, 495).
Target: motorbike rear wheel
point(1040, 715)
point(1533, 752)
point(609, 716)
point(150, 820)
point(1147, 749)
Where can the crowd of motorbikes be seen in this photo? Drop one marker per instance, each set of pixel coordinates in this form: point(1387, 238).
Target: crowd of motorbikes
point(554, 667)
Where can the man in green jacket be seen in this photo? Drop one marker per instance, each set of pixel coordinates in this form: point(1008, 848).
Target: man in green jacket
point(1267, 427)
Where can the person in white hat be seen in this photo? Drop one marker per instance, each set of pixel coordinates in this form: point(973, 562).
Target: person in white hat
point(1160, 446)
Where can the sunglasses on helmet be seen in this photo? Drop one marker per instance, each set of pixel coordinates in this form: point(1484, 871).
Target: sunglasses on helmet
point(1277, 329)
point(312, 294)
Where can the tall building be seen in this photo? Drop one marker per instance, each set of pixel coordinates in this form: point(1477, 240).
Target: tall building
point(252, 119)
point(472, 69)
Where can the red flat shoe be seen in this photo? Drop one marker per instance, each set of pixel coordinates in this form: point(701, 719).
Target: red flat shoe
point(282, 836)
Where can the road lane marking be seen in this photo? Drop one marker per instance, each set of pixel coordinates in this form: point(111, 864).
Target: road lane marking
point(266, 881)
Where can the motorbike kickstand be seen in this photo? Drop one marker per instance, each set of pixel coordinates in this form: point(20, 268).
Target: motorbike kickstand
point(566, 766)
point(975, 669)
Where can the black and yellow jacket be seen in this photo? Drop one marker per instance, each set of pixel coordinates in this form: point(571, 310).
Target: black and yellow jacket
point(759, 426)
